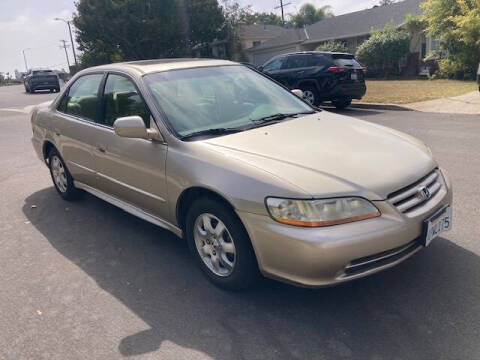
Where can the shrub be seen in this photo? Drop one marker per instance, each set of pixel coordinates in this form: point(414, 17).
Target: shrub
point(383, 51)
point(334, 46)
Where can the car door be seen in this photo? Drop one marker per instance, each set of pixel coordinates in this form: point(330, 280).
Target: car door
point(74, 126)
point(131, 170)
point(297, 67)
point(274, 68)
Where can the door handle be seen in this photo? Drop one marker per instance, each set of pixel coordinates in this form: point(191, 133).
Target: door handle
point(101, 148)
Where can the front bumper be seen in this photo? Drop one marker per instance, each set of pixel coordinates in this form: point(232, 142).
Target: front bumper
point(330, 255)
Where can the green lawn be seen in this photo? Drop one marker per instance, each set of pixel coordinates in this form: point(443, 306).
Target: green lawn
point(408, 91)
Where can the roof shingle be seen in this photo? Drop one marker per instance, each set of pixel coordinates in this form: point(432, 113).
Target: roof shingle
point(348, 25)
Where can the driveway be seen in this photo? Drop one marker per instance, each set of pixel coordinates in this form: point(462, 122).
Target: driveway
point(85, 280)
point(463, 104)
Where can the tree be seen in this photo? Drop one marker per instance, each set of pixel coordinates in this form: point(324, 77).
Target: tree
point(261, 18)
point(386, 2)
point(334, 46)
point(384, 49)
point(109, 31)
point(235, 16)
point(456, 24)
point(309, 14)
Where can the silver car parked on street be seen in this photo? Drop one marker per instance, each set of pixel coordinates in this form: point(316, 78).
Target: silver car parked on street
point(254, 178)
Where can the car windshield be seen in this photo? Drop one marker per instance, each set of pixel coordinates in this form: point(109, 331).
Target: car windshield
point(221, 97)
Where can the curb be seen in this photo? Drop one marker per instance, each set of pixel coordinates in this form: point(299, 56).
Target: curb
point(378, 106)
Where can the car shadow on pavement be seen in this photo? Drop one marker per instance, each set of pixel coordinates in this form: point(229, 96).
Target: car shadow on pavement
point(427, 307)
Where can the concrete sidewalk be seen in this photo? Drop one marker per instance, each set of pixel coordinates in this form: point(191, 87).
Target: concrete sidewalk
point(463, 104)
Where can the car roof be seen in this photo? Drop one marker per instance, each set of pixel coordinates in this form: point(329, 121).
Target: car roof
point(320, 52)
point(150, 66)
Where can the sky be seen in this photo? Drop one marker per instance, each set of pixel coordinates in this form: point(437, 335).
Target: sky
point(29, 26)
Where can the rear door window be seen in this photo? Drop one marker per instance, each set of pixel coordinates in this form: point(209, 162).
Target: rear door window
point(299, 61)
point(320, 60)
point(82, 97)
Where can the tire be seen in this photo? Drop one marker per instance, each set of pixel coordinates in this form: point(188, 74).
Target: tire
point(236, 267)
point(310, 94)
point(63, 184)
point(342, 103)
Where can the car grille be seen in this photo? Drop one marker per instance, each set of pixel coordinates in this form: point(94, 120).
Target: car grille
point(367, 263)
point(410, 197)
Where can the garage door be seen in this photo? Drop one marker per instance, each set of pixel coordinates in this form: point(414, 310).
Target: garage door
point(262, 58)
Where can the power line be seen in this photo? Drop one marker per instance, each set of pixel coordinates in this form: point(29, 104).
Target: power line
point(65, 46)
point(282, 5)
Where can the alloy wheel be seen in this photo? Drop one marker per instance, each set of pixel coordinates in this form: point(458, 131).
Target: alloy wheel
point(59, 174)
point(214, 244)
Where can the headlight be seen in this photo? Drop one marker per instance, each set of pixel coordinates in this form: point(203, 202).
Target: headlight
point(325, 212)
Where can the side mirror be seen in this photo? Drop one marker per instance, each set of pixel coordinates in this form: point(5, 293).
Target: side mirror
point(134, 127)
point(298, 93)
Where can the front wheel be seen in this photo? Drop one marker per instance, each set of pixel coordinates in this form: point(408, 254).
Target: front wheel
point(342, 103)
point(62, 180)
point(220, 245)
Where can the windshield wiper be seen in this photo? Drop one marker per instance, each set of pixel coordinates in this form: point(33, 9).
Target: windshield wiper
point(278, 117)
point(214, 131)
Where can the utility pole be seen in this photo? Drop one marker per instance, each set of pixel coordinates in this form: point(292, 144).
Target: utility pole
point(65, 46)
point(282, 5)
point(71, 38)
point(25, 59)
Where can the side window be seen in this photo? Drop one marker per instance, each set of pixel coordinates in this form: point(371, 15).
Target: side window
point(298, 61)
point(320, 60)
point(82, 97)
point(274, 65)
point(121, 98)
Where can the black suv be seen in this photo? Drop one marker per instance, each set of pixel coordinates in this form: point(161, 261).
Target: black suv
point(41, 80)
point(323, 76)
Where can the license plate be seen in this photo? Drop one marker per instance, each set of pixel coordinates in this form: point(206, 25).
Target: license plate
point(436, 224)
point(354, 76)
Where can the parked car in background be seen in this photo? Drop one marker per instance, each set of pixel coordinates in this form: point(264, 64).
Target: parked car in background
point(254, 178)
point(41, 80)
point(322, 76)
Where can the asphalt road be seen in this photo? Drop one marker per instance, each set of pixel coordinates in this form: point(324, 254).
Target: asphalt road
point(85, 280)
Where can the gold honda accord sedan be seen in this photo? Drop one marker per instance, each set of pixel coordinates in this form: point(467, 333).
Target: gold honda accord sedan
point(253, 177)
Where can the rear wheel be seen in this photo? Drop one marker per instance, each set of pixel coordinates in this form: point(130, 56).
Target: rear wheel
point(310, 94)
point(342, 103)
point(62, 180)
point(220, 245)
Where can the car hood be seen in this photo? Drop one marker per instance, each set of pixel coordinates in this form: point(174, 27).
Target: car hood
point(326, 154)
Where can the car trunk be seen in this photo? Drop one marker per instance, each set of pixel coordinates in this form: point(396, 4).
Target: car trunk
point(347, 70)
point(45, 78)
